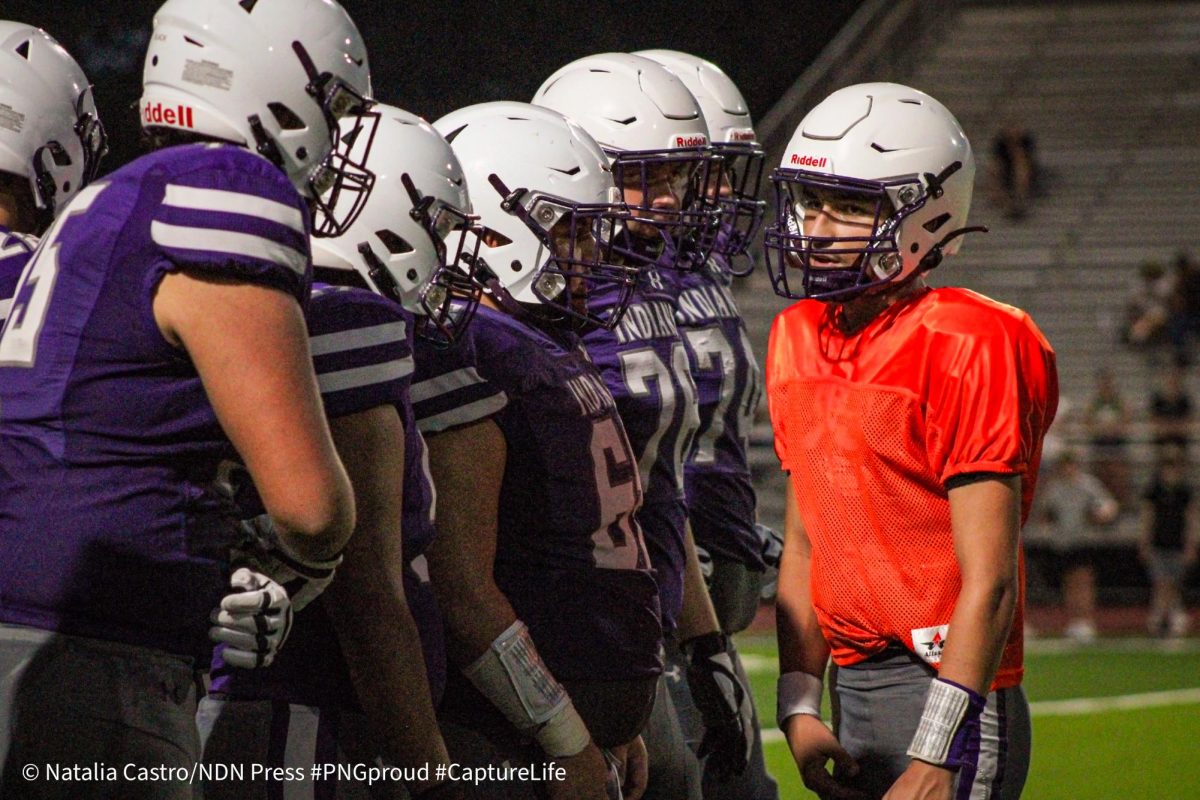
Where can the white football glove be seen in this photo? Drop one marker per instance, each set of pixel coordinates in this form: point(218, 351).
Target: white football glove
point(264, 551)
point(252, 621)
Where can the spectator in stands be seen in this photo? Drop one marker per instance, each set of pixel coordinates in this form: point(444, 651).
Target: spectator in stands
point(1073, 503)
point(1184, 321)
point(1149, 309)
point(1168, 546)
point(1016, 168)
point(1106, 419)
point(1171, 409)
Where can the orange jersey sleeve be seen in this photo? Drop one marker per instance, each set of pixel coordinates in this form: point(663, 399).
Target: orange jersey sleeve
point(870, 426)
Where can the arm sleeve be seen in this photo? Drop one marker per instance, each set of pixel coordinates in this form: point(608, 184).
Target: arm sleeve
point(360, 349)
point(992, 395)
point(232, 213)
point(448, 390)
point(777, 347)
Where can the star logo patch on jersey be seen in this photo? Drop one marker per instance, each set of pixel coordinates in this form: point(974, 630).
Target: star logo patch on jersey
point(929, 642)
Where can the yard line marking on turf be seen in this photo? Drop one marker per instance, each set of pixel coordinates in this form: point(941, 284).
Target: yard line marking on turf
point(1122, 702)
point(1078, 706)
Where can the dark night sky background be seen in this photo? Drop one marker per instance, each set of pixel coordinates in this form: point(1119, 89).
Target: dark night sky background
point(431, 58)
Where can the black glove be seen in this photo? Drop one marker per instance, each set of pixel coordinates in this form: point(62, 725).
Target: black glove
point(724, 703)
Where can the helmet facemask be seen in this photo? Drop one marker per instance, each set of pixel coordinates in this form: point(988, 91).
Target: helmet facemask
point(575, 256)
point(342, 180)
point(898, 241)
point(742, 211)
point(676, 238)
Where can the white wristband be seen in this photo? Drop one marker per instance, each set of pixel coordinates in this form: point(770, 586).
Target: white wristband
point(945, 707)
point(798, 693)
point(512, 675)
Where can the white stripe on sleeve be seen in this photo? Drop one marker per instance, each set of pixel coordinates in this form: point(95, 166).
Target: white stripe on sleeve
point(462, 415)
point(222, 241)
point(356, 377)
point(222, 200)
point(357, 338)
point(444, 384)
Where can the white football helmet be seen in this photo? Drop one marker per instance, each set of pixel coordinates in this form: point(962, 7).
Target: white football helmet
point(882, 144)
point(731, 131)
point(50, 133)
point(646, 120)
point(538, 178)
point(398, 243)
point(274, 76)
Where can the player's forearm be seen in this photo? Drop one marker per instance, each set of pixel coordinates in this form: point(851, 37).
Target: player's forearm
point(698, 616)
point(383, 652)
point(979, 629)
point(802, 646)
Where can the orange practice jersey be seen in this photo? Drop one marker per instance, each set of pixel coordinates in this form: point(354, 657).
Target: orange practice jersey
point(872, 425)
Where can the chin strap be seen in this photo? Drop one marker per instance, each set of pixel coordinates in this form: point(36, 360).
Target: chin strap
point(935, 255)
point(264, 145)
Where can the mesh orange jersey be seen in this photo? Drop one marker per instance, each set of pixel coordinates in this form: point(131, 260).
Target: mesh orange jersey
point(872, 425)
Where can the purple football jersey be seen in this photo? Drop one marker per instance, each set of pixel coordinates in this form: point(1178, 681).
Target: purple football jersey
point(15, 251)
point(108, 444)
point(720, 495)
point(570, 557)
point(362, 347)
point(645, 367)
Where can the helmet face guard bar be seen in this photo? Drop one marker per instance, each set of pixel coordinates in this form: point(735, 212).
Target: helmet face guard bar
point(681, 238)
point(344, 172)
point(742, 211)
point(878, 260)
point(92, 136)
point(564, 280)
point(452, 292)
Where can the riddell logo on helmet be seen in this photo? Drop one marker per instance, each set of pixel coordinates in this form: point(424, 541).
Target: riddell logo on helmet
point(808, 161)
point(155, 114)
point(690, 141)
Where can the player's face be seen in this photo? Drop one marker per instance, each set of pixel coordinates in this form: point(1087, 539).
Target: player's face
point(830, 214)
point(660, 186)
point(575, 246)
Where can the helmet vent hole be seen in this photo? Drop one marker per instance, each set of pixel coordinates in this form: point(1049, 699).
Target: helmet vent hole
point(154, 61)
point(286, 118)
point(23, 49)
point(248, 5)
point(911, 102)
point(449, 137)
point(628, 121)
point(572, 171)
point(914, 247)
point(937, 222)
point(493, 238)
point(193, 42)
point(411, 274)
point(394, 243)
point(516, 265)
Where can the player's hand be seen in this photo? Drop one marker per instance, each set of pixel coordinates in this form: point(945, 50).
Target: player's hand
point(922, 781)
point(252, 621)
point(263, 550)
point(724, 704)
point(634, 766)
point(586, 777)
point(812, 745)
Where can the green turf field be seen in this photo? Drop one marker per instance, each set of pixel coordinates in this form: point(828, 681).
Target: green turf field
point(1131, 732)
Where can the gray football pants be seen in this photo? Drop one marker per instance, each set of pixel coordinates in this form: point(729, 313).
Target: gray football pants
point(67, 700)
point(877, 706)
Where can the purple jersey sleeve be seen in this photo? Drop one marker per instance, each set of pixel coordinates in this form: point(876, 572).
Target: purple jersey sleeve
point(107, 438)
point(720, 494)
point(235, 214)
